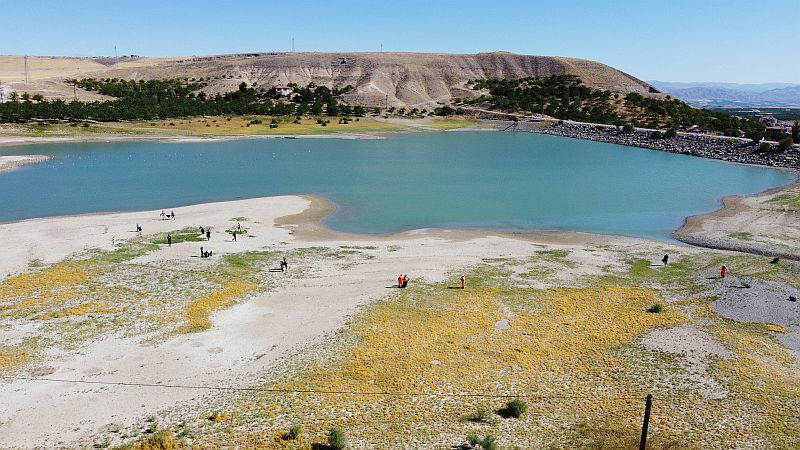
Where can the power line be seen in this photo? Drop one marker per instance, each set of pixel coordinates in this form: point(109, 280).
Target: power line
point(313, 391)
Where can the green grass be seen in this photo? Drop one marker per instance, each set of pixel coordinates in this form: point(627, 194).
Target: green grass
point(188, 234)
point(741, 235)
point(790, 199)
point(679, 275)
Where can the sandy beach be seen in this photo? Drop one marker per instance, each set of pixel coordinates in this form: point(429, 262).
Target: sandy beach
point(332, 277)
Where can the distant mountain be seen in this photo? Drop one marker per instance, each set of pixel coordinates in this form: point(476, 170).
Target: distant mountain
point(721, 95)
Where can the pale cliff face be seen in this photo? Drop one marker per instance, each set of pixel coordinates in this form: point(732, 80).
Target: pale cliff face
point(402, 79)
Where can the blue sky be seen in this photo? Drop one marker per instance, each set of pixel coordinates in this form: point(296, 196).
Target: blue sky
point(702, 40)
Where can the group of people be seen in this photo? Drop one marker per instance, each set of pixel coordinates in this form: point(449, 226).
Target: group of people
point(284, 264)
point(206, 232)
point(206, 254)
point(402, 281)
point(171, 215)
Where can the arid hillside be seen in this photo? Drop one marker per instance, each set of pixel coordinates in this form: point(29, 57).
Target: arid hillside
point(413, 79)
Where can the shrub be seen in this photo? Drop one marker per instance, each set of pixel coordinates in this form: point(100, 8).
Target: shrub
point(785, 144)
point(671, 133)
point(656, 135)
point(657, 308)
point(163, 440)
point(628, 128)
point(487, 443)
point(293, 433)
point(336, 439)
point(764, 147)
point(481, 415)
point(514, 409)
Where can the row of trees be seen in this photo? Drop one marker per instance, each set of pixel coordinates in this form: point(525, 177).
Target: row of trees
point(559, 96)
point(567, 97)
point(173, 98)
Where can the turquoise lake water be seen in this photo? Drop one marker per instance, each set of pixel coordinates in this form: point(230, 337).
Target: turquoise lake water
point(512, 181)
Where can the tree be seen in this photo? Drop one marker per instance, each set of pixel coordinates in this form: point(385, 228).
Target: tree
point(656, 135)
point(628, 128)
point(671, 133)
point(785, 144)
point(358, 111)
point(796, 132)
point(756, 136)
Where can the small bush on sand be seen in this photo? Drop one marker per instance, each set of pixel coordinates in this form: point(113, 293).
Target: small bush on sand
point(657, 308)
point(336, 439)
point(487, 443)
point(514, 409)
point(481, 415)
point(293, 433)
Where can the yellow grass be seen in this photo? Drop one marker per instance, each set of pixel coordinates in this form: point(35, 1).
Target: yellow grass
point(199, 310)
point(560, 342)
point(29, 292)
point(239, 125)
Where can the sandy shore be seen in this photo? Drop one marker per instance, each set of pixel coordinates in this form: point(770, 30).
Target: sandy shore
point(246, 339)
point(340, 274)
point(760, 224)
point(9, 163)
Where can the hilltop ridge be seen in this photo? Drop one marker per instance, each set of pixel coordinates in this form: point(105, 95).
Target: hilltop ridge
point(399, 79)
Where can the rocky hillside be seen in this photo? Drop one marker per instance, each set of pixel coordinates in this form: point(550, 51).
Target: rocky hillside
point(402, 79)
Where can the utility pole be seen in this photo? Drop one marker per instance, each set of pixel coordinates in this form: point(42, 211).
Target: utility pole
point(292, 44)
point(115, 52)
point(381, 47)
point(27, 75)
point(647, 406)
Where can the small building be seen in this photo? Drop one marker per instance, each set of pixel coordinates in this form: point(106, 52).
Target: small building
point(281, 90)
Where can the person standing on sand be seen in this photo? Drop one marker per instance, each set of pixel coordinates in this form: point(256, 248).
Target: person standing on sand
point(201, 252)
point(208, 234)
point(400, 280)
point(169, 240)
point(284, 263)
point(138, 228)
point(173, 214)
point(665, 259)
point(234, 235)
point(202, 231)
point(723, 271)
point(463, 281)
point(405, 281)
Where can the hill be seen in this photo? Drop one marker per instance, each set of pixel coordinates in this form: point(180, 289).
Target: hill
point(399, 79)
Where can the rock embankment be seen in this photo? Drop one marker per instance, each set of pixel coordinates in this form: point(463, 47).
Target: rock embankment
point(726, 149)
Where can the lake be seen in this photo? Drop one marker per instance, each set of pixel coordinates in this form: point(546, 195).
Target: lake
point(497, 180)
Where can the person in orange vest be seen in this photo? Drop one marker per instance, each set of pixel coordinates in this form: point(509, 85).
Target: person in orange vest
point(723, 271)
point(405, 280)
point(400, 280)
point(463, 281)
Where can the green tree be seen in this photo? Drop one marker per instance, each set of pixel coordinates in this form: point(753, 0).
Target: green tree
point(796, 132)
point(671, 133)
point(628, 128)
point(785, 144)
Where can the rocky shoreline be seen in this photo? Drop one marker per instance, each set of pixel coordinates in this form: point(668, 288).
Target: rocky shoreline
point(725, 149)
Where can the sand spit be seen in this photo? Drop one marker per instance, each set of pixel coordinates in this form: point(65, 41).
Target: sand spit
point(763, 224)
point(9, 163)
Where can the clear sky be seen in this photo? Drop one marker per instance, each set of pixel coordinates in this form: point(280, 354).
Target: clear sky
point(744, 41)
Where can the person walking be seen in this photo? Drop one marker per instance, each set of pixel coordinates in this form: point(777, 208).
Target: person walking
point(463, 281)
point(284, 264)
point(723, 271)
point(169, 240)
point(665, 259)
point(234, 235)
point(173, 214)
point(208, 234)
